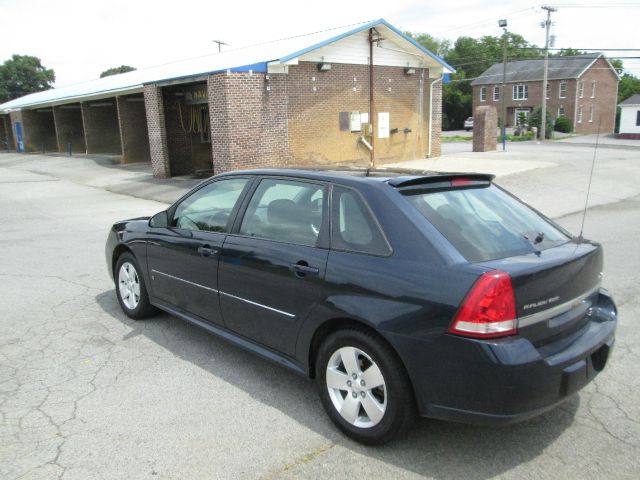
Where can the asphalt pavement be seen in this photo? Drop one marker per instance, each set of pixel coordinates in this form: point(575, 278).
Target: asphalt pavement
point(87, 393)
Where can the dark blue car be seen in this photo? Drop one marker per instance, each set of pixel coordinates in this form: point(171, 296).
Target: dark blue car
point(400, 293)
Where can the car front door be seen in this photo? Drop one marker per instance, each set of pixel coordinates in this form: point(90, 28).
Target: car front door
point(183, 258)
point(273, 265)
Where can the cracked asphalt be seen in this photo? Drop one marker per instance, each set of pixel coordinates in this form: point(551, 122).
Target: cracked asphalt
point(86, 393)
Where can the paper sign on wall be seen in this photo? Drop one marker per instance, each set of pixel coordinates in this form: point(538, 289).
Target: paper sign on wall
point(383, 124)
point(355, 123)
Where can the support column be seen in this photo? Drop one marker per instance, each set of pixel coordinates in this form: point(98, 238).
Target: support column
point(134, 135)
point(159, 152)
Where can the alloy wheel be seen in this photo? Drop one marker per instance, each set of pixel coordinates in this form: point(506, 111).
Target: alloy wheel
point(356, 387)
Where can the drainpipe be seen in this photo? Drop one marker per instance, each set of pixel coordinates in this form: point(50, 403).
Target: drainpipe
point(431, 83)
point(371, 103)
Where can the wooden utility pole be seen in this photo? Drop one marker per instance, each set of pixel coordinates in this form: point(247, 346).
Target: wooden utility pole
point(547, 25)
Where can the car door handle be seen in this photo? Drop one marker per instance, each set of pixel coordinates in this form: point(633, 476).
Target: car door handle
point(208, 251)
point(302, 268)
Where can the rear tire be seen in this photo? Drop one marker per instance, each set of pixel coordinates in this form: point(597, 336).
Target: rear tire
point(364, 387)
point(131, 289)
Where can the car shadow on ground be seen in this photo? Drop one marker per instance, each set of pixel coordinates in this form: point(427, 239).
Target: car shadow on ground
point(433, 448)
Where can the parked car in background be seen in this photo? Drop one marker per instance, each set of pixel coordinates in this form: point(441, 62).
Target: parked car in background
point(468, 124)
point(437, 294)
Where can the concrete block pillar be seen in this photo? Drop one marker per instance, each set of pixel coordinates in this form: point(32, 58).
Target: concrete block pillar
point(157, 131)
point(485, 125)
point(134, 136)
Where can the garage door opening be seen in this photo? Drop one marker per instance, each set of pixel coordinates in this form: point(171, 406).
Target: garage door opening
point(188, 129)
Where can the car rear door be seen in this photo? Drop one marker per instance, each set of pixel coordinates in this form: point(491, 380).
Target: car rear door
point(273, 265)
point(183, 259)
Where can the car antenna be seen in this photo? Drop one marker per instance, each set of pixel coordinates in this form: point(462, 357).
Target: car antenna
point(586, 201)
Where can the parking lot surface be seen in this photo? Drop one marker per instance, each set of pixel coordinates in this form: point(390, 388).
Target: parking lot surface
point(87, 393)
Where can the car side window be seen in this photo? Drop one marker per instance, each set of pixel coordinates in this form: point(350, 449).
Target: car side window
point(285, 211)
point(353, 227)
point(209, 208)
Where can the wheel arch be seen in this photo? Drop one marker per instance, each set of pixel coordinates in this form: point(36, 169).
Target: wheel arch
point(342, 323)
point(117, 252)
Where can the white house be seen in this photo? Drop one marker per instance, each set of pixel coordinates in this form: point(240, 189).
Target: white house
point(630, 118)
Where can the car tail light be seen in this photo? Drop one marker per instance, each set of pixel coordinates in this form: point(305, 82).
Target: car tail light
point(489, 309)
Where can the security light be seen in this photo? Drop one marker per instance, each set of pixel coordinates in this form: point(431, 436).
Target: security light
point(502, 23)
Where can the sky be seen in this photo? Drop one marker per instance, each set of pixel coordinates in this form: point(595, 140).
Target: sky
point(81, 38)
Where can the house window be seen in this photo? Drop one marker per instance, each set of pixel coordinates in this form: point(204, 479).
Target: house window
point(520, 92)
point(561, 111)
point(483, 94)
point(496, 93)
point(563, 89)
point(593, 89)
point(638, 118)
point(580, 114)
point(548, 89)
point(581, 88)
point(591, 114)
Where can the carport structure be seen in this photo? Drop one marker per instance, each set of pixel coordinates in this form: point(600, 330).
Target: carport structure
point(353, 95)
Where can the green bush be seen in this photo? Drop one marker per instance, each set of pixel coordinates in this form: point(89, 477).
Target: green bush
point(564, 125)
point(534, 121)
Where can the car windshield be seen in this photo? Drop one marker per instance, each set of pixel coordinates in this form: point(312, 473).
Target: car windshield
point(484, 222)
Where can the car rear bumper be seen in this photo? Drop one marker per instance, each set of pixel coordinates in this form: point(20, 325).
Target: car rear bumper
point(509, 380)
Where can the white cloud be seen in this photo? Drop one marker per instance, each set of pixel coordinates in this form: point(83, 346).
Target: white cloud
point(79, 39)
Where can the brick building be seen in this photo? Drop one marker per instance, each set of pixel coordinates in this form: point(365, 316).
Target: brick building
point(348, 96)
point(583, 88)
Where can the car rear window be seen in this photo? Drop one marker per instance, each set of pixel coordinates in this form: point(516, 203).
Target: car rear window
point(484, 222)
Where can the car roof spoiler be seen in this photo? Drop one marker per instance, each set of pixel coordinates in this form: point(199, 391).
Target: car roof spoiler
point(432, 177)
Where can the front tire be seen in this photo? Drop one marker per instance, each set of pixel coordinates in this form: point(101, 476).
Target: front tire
point(364, 387)
point(131, 289)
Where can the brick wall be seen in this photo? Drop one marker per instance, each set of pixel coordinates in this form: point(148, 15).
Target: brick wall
point(134, 136)
point(159, 152)
point(101, 130)
point(315, 102)
point(604, 102)
point(248, 114)
point(399, 94)
point(69, 128)
point(39, 131)
point(317, 98)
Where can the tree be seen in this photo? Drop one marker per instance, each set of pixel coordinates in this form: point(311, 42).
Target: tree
point(23, 74)
point(439, 46)
point(117, 70)
point(628, 86)
point(470, 57)
point(535, 120)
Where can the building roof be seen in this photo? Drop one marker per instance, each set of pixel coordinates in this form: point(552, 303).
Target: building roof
point(632, 100)
point(532, 70)
point(256, 58)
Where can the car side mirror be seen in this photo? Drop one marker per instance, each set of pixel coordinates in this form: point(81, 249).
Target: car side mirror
point(160, 220)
